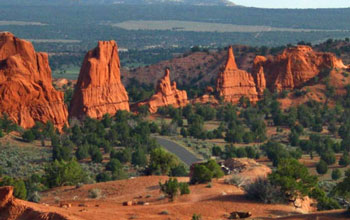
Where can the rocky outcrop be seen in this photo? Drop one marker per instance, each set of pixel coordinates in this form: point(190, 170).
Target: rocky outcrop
point(294, 67)
point(259, 75)
point(233, 83)
point(26, 91)
point(99, 89)
point(166, 94)
point(11, 208)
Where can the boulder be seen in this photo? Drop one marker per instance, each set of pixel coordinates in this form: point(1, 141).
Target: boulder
point(99, 89)
point(166, 94)
point(233, 83)
point(26, 91)
point(240, 215)
point(294, 67)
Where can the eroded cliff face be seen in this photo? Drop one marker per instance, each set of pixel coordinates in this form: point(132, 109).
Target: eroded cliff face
point(26, 91)
point(233, 83)
point(166, 94)
point(99, 89)
point(294, 67)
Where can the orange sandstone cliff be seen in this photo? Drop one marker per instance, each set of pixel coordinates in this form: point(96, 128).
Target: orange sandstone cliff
point(26, 91)
point(99, 89)
point(233, 83)
point(294, 67)
point(166, 94)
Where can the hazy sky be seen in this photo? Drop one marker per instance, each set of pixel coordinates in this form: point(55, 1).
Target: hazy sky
point(294, 3)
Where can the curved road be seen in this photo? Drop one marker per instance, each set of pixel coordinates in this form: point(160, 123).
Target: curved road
point(186, 156)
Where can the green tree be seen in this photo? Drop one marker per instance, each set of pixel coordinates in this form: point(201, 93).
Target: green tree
point(114, 165)
point(62, 173)
point(161, 161)
point(336, 174)
point(293, 178)
point(96, 155)
point(343, 188)
point(82, 152)
point(170, 188)
point(322, 167)
point(139, 158)
point(28, 136)
point(19, 186)
point(344, 160)
point(203, 173)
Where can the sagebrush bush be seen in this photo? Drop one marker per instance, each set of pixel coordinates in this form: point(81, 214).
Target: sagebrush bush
point(95, 193)
point(261, 189)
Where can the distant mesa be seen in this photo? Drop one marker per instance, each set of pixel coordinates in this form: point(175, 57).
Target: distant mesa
point(99, 89)
point(166, 94)
point(233, 83)
point(294, 67)
point(26, 91)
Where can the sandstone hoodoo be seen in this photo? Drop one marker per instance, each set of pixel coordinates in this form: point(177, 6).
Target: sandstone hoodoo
point(259, 75)
point(294, 67)
point(99, 89)
point(166, 94)
point(26, 91)
point(233, 83)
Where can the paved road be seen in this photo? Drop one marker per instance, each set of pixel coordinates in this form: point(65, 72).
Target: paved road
point(186, 156)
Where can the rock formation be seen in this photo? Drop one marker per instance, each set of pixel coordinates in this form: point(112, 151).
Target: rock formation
point(294, 67)
point(166, 94)
point(233, 83)
point(26, 91)
point(99, 89)
point(11, 208)
point(259, 75)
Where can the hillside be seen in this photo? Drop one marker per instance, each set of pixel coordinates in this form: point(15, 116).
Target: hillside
point(201, 68)
point(92, 2)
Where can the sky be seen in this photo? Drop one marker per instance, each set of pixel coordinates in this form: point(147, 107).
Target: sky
point(294, 3)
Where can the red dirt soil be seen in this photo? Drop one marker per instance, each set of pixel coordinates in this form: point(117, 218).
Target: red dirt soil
point(212, 203)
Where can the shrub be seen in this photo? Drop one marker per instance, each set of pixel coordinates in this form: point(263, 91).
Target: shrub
point(82, 152)
point(184, 188)
point(139, 158)
point(328, 157)
point(344, 160)
point(179, 170)
point(196, 217)
point(322, 167)
point(170, 188)
point(235, 180)
point(336, 174)
point(61, 173)
point(19, 186)
point(114, 165)
point(262, 189)
point(103, 177)
point(95, 193)
point(203, 173)
point(28, 136)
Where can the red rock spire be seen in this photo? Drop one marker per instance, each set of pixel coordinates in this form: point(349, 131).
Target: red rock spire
point(230, 62)
point(99, 89)
point(166, 94)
